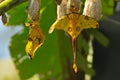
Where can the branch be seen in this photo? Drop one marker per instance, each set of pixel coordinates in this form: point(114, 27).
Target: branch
point(8, 4)
point(5, 3)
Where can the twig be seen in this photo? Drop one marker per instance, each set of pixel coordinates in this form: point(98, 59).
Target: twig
point(5, 3)
point(11, 5)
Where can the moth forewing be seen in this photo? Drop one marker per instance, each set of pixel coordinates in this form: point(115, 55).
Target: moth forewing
point(59, 24)
point(87, 22)
point(35, 40)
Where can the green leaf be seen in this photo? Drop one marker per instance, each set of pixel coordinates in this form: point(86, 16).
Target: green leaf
point(46, 61)
point(83, 48)
point(117, 0)
point(107, 8)
point(83, 64)
point(18, 43)
point(46, 58)
point(82, 44)
point(17, 15)
point(100, 37)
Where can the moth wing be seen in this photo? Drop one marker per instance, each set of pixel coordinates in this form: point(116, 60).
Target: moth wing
point(59, 24)
point(86, 22)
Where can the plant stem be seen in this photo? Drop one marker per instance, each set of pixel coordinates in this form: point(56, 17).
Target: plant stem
point(5, 3)
point(8, 4)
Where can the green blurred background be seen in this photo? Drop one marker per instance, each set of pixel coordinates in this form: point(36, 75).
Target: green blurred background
point(53, 61)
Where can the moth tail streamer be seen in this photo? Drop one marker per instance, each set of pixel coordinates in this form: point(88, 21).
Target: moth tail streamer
point(74, 53)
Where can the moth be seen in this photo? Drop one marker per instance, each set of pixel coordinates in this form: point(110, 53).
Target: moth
point(35, 40)
point(73, 24)
point(36, 37)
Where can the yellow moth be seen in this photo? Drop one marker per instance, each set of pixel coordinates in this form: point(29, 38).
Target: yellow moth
point(73, 24)
point(35, 40)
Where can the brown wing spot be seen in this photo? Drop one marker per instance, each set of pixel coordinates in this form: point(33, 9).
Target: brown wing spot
point(30, 39)
point(69, 29)
point(86, 17)
point(77, 28)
